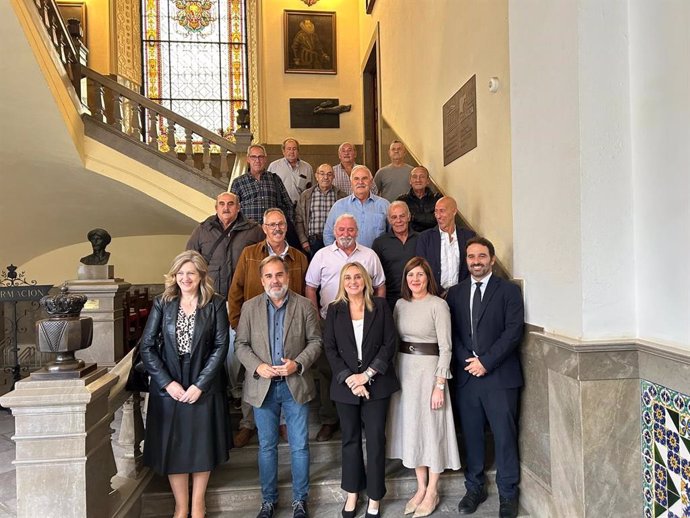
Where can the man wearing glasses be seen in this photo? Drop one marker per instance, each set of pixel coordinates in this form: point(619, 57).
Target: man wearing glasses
point(259, 190)
point(246, 284)
point(313, 207)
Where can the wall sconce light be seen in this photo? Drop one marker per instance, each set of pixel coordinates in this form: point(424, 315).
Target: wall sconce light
point(310, 2)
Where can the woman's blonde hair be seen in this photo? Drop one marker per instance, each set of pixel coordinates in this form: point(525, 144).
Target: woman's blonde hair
point(172, 290)
point(368, 287)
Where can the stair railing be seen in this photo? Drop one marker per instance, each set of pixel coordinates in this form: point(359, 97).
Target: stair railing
point(60, 37)
point(148, 122)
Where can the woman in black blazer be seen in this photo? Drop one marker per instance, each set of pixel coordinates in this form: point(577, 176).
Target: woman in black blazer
point(360, 345)
point(183, 348)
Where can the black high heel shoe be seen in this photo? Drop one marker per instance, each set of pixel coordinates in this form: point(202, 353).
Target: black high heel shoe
point(369, 515)
point(349, 514)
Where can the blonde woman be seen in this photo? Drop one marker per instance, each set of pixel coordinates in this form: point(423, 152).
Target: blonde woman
point(183, 348)
point(360, 342)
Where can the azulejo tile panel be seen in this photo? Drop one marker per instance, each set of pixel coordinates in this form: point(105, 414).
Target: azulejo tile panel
point(665, 452)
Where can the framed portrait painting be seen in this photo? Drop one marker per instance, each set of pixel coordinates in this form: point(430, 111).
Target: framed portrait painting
point(310, 42)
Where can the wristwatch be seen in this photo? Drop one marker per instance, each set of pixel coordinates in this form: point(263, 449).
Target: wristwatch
point(441, 386)
point(300, 368)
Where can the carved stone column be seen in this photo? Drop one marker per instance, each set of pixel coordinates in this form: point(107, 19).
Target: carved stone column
point(64, 457)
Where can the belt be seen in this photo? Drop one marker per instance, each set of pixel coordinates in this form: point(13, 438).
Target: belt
point(419, 348)
point(278, 379)
point(315, 236)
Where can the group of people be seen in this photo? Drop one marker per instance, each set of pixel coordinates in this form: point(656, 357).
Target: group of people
point(389, 304)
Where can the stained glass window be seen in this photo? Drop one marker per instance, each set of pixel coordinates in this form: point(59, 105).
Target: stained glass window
point(195, 59)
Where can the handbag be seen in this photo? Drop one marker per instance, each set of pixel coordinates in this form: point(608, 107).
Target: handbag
point(138, 379)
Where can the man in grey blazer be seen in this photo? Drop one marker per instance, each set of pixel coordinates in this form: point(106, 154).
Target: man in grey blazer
point(278, 339)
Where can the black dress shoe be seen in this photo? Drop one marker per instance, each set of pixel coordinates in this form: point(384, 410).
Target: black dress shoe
point(471, 501)
point(508, 507)
point(349, 514)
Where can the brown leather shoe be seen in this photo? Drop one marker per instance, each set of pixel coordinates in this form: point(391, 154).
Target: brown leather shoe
point(282, 431)
point(326, 432)
point(243, 437)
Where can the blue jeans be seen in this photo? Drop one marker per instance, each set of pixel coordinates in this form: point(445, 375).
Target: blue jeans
point(297, 419)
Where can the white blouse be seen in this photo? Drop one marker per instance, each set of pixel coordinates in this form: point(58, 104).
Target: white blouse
point(358, 327)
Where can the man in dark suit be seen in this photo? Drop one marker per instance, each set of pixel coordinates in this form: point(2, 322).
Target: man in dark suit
point(488, 318)
point(444, 245)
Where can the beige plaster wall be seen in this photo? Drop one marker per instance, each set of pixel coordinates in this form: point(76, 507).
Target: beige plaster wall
point(427, 53)
point(277, 87)
point(137, 259)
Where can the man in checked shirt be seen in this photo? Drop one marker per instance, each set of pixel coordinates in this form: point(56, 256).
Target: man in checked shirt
point(313, 207)
point(260, 190)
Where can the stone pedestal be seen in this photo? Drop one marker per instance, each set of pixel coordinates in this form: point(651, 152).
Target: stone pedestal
point(64, 459)
point(106, 307)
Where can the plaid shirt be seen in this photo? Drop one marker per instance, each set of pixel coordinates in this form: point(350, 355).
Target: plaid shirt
point(256, 196)
point(320, 206)
point(342, 180)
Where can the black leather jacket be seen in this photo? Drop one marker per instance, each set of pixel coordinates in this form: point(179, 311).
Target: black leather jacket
point(209, 347)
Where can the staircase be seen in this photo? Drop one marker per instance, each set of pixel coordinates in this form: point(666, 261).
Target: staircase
point(234, 489)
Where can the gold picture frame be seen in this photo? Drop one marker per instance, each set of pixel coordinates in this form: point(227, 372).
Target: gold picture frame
point(310, 42)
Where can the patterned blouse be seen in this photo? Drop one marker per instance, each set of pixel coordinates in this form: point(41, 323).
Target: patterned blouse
point(184, 331)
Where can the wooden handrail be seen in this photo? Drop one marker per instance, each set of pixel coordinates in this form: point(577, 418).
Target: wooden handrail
point(170, 115)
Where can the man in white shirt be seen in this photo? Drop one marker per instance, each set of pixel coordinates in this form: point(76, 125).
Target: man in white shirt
point(297, 175)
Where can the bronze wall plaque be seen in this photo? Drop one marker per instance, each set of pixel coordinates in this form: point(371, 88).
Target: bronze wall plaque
point(460, 122)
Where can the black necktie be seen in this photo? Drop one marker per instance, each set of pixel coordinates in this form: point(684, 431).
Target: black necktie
point(476, 308)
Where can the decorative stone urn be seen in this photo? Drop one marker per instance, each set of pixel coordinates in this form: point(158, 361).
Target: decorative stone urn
point(63, 333)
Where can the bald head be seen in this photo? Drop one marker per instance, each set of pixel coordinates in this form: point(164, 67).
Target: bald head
point(444, 212)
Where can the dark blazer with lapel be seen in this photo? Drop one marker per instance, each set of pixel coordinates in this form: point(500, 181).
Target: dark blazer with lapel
point(429, 247)
point(301, 342)
point(209, 346)
point(379, 343)
point(499, 332)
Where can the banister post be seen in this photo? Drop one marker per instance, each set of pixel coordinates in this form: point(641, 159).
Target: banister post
point(64, 457)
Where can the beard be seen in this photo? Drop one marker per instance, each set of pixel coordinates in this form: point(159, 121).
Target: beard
point(277, 293)
point(346, 242)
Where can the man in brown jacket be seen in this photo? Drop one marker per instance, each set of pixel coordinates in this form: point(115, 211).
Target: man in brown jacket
point(246, 284)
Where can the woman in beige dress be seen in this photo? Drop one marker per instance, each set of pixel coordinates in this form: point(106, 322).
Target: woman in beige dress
point(421, 430)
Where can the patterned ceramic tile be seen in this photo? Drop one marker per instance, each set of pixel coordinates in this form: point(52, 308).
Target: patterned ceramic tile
point(665, 452)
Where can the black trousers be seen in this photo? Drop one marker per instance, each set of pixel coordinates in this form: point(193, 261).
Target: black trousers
point(372, 414)
point(477, 405)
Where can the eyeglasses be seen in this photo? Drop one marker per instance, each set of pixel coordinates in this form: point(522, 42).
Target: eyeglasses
point(256, 157)
point(274, 226)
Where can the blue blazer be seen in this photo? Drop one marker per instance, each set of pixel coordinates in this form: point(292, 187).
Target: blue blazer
point(499, 332)
point(429, 247)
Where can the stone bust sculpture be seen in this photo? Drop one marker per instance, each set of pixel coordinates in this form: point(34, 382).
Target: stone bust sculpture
point(99, 240)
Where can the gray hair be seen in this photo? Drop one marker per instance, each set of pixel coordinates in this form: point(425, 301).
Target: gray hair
point(346, 216)
point(398, 203)
point(355, 168)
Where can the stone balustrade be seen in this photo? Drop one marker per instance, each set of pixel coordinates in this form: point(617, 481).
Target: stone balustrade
point(163, 130)
point(66, 462)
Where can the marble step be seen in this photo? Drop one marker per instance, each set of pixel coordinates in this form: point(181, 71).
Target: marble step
point(235, 488)
point(448, 507)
